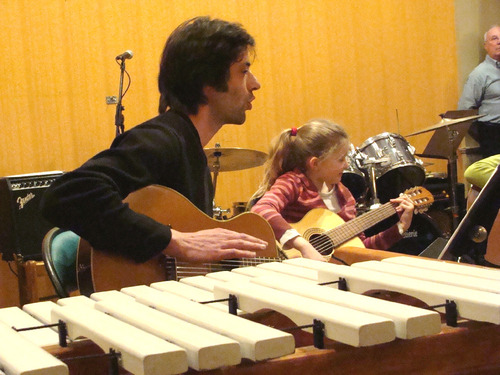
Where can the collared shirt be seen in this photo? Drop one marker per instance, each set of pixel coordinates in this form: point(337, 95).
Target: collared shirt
point(482, 91)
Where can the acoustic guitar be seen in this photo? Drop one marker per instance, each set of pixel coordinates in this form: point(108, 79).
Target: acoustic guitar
point(99, 270)
point(327, 231)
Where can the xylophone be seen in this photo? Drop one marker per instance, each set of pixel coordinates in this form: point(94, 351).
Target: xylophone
point(184, 326)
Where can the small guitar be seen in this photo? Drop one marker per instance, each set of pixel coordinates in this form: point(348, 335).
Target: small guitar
point(327, 231)
point(99, 270)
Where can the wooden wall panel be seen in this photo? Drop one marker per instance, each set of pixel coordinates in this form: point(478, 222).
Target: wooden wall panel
point(356, 62)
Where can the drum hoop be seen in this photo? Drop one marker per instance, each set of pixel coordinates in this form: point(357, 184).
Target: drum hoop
point(375, 138)
point(382, 171)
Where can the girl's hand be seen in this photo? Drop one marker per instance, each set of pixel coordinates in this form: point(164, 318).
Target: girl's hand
point(405, 210)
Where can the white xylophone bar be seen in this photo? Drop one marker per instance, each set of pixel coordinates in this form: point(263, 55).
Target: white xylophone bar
point(206, 350)
point(228, 276)
point(252, 271)
point(41, 311)
point(20, 356)
point(141, 352)
point(471, 304)
point(201, 282)
point(342, 324)
point(15, 317)
point(456, 268)
point(257, 341)
point(190, 291)
point(299, 315)
point(302, 272)
point(465, 281)
point(283, 341)
point(410, 322)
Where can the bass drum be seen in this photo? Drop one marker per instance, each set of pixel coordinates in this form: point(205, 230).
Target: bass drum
point(422, 232)
point(396, 168)
point(353, 178)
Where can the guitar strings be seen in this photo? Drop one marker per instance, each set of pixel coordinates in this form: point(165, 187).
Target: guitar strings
point(327, 241)
point(188, 269)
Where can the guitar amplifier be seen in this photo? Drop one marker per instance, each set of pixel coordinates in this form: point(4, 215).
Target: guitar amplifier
point(22, 226)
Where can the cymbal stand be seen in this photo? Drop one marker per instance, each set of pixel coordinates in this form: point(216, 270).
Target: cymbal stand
point(452, 173)
point(216, 168)
point(218, 212)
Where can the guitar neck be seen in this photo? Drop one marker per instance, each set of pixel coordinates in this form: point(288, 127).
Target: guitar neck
point(352, 228)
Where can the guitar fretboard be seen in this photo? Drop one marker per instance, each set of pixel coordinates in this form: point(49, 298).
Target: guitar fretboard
point(343, 233)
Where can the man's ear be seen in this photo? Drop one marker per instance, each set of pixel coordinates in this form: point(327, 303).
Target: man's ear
point(208, 91)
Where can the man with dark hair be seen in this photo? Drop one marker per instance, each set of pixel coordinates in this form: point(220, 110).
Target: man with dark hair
point(204, 82)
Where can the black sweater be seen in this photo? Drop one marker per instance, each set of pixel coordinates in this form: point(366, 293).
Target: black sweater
point(165, 150)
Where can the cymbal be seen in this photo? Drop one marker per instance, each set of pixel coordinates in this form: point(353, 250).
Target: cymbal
point(233, 158)
point(445, 122)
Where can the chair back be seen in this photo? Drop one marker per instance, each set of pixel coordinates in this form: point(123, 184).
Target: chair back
point(59, 252)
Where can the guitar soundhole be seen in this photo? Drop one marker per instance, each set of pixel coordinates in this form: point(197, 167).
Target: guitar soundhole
point(322, 243)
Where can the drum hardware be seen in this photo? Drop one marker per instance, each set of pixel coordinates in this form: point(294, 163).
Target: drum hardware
point(353, 177)
point(443, 145)
point(227, 159)
point(220, 213)
point(369, 164)
point(479, 234)
point(398, 169)
point(239, 208)
point(445, 122)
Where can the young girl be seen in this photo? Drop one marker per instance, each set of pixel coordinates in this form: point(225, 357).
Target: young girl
point(303, 172)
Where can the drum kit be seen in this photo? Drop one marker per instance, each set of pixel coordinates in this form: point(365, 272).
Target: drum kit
point(386, 165)
point(380, 169)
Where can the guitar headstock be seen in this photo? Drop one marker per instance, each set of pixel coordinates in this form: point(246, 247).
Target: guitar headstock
point(421, 197)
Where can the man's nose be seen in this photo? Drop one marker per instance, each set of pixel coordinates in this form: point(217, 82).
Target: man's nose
point(254, 83)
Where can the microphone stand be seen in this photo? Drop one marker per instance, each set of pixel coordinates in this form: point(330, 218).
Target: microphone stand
point(119, 118)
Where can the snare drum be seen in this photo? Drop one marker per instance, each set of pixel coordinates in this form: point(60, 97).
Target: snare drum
point(353, 178)
point(396, 168)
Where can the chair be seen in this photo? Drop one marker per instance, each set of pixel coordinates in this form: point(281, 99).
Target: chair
point(59, 252)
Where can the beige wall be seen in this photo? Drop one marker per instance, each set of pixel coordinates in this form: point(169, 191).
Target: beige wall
point(373, 66)
point(472, 19)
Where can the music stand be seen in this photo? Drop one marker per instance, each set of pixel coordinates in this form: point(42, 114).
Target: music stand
point(476, 226)
point(448, 135)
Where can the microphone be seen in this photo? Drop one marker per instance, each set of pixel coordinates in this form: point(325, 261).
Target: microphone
point(128, 54)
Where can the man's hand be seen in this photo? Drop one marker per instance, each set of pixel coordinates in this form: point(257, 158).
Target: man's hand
point(212, 245)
